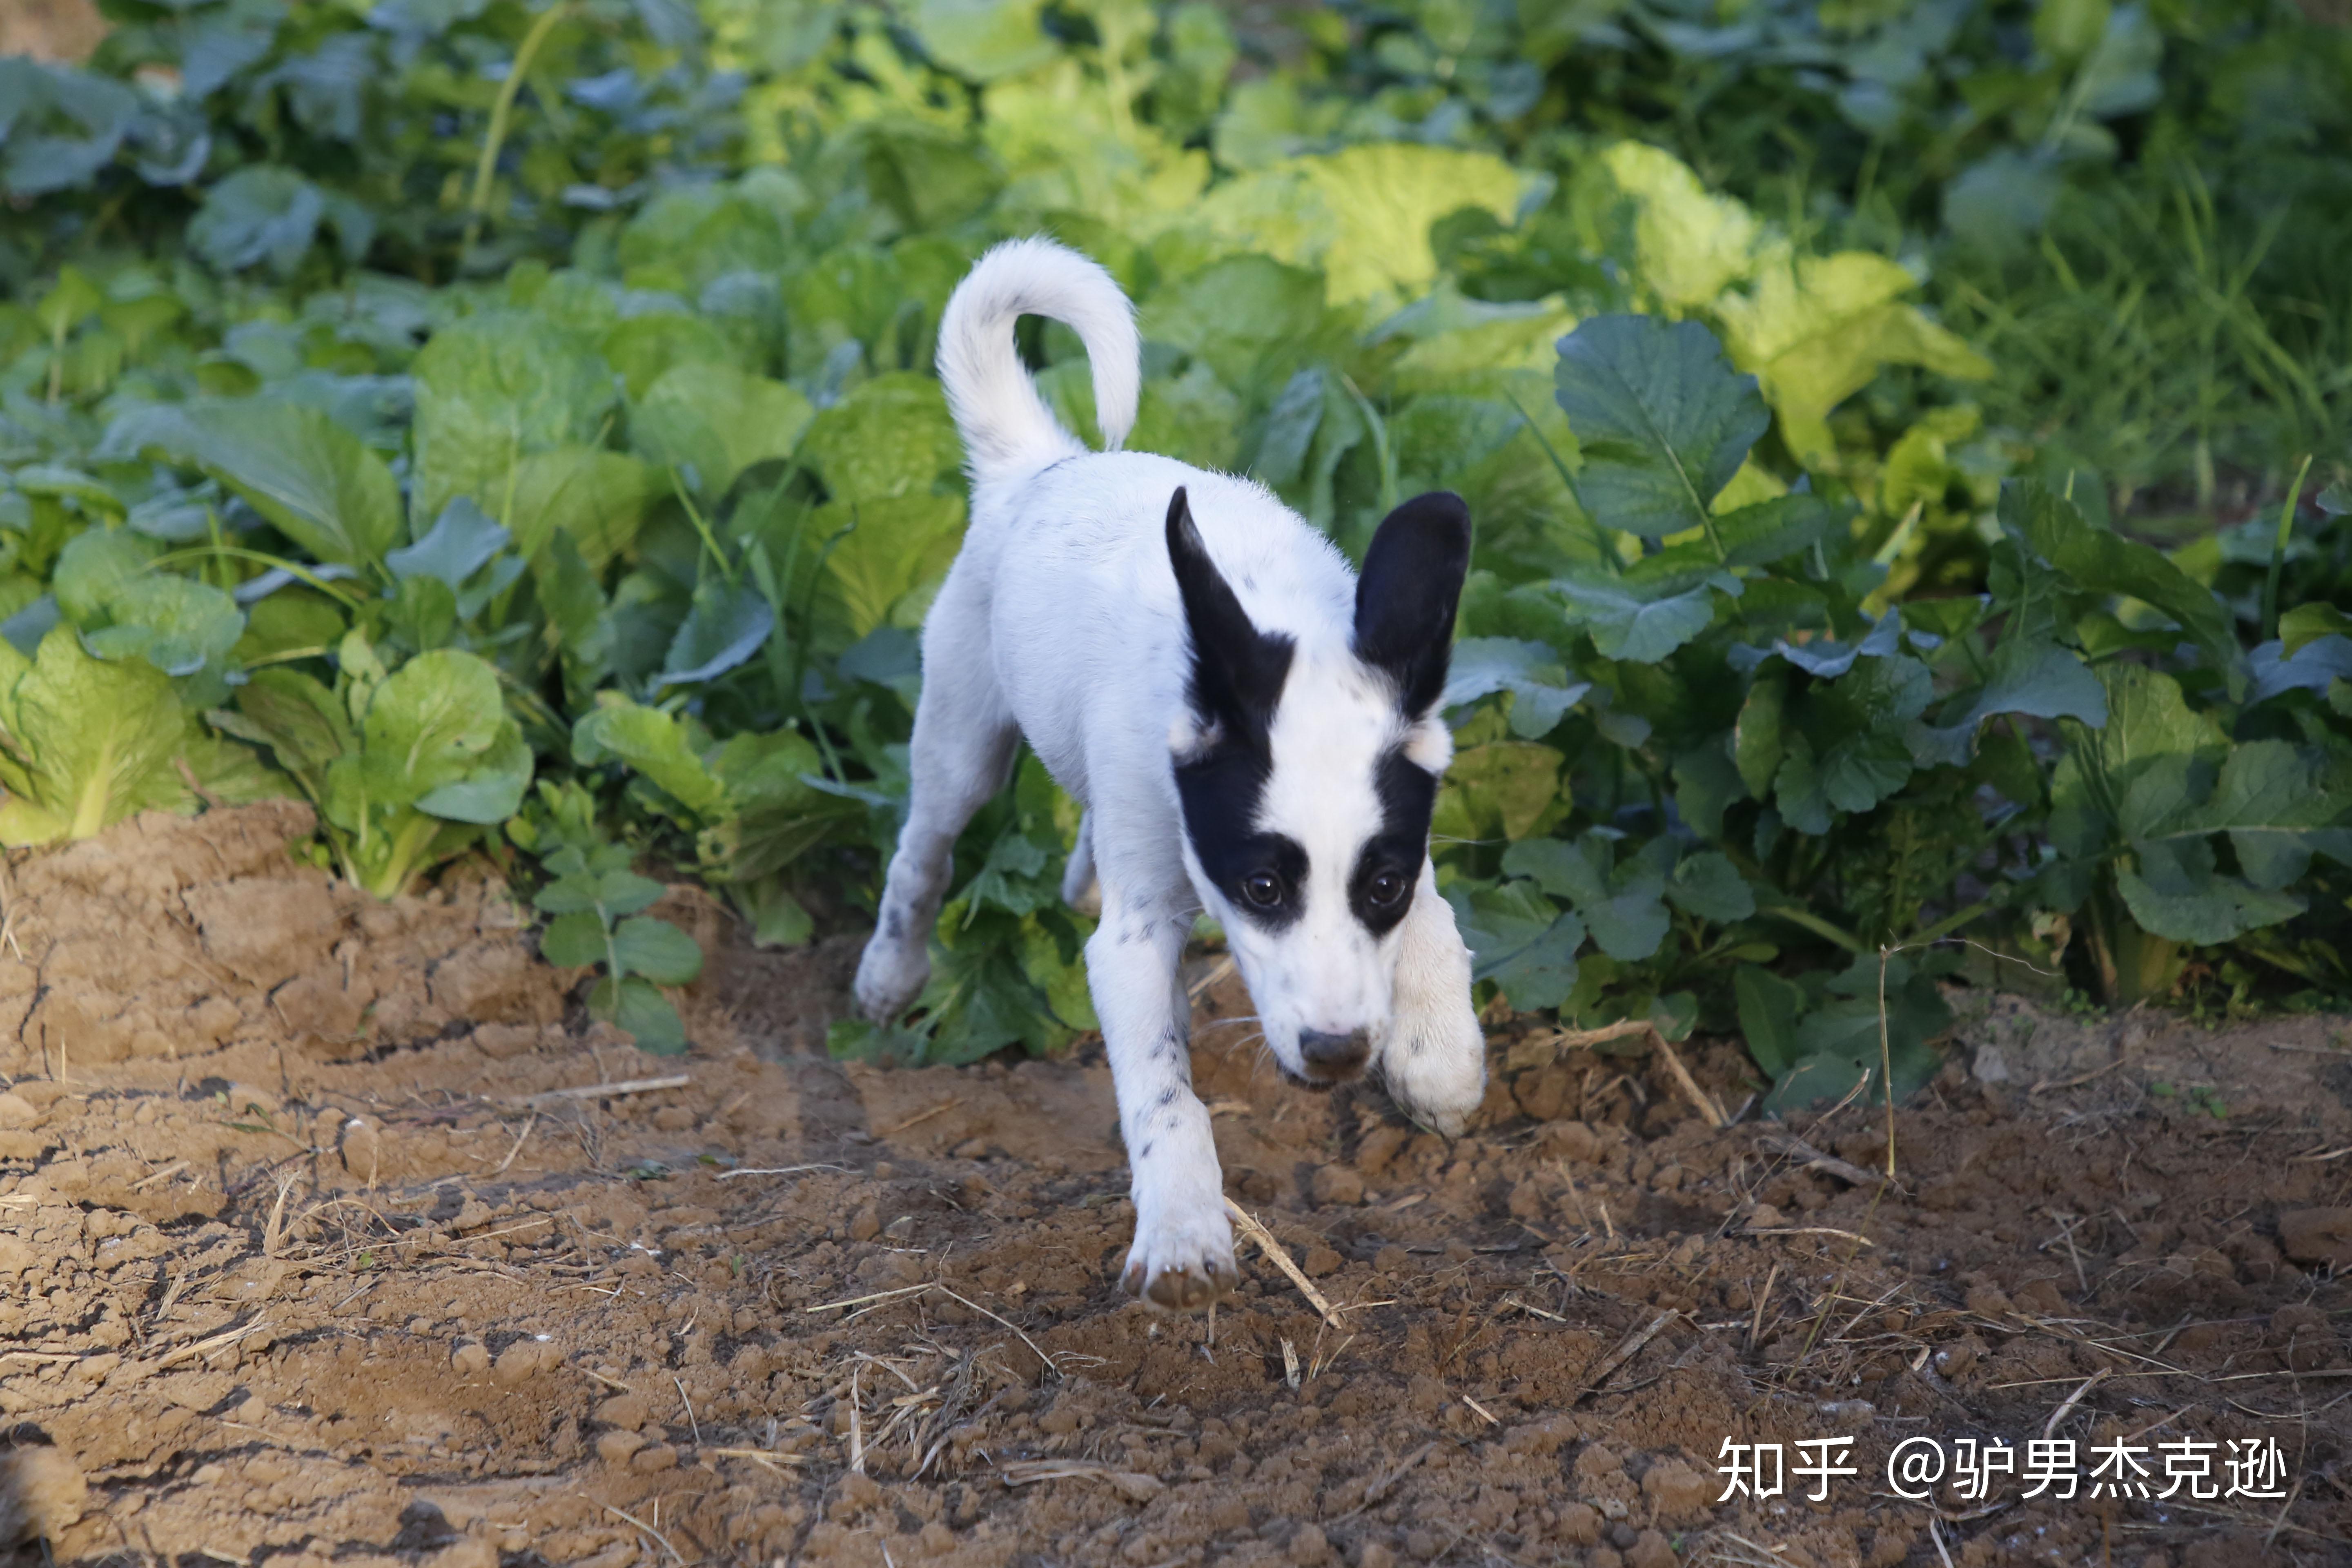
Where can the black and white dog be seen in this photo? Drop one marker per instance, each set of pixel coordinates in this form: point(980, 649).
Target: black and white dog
point(1251, 727)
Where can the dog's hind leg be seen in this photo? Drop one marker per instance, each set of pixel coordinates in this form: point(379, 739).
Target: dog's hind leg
point(1435, 1055)
point(1183, 1256)
point(1080, 890)
point(962, 754)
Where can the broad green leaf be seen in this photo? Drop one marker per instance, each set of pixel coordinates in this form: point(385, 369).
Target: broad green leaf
point(717, 422)
point(2214, 910)
point(1621, 905)
point(768, 769)
point(1768, 1009)
point(652, 742)
point(176, 623)
point(87, 741)
point(1073, 145)
point(1662, 420)
point(2000, 202)
point(491, 790)
point(638, 1009)
point(293, 617)
point(598, 498)
point(982, 39)
point(1013, 879)
point(1758, 740)
point(315, 481)
point(656, 950)
point(1382, 198)
point(1857, 774)
point(884, 549)
point(1771, 531)
point(2039, 680)
point(1500, 790)
point(2306, 624)
point(2147, 722)
point(569, 894)
point(295, 715)
point(265, 212)
point(2069, 29)
point(1816, 329)
point(461, 542)
point(1643, 621)
point(1250, 319)
point(981, 998)
point(621, 891)
point(573, 940)
point(2274, 800)
point(1456, 339)
point(1849, 752)
point(1519, 941)
point(1689, 244)
point(643, 349)
point(228, 774)
point(2120, 75)
point(1840, 1042)
point(890, 437)
point(778, 919)
point(932, 176)
point(94, 565)
point(2091, 559)
point(1362, 215)
point(1531, 671)
point(492, 390)
point(725, 628)
point(1707, 885)
point(433, 721)
point(72, 299)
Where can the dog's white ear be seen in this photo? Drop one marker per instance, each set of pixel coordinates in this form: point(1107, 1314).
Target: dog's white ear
point(1237, 670)
point(1406, 596)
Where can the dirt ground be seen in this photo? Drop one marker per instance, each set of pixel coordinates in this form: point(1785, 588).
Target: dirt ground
point(313, 1250)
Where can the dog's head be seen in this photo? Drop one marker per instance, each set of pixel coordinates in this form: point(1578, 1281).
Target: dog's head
point(1306, 773)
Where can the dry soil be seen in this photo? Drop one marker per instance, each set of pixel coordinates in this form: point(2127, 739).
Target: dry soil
point(319, 1244)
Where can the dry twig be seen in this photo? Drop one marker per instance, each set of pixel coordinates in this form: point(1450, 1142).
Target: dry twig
point(1280, 1259)
point(1627, 1349)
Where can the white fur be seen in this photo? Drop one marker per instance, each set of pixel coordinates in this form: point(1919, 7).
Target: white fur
point(1061, 621)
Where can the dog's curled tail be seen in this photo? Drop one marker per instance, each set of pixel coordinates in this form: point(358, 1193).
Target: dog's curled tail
point(1005, 423)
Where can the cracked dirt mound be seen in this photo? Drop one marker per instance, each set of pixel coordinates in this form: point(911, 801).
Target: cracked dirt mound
point(307, 1254)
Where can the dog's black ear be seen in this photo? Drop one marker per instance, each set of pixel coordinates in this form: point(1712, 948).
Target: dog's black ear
point(1406, 596)
point(1237, 670)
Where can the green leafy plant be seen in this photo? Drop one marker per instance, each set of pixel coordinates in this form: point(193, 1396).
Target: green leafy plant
point(596, 900)
point(521, 417)
point(408, 767)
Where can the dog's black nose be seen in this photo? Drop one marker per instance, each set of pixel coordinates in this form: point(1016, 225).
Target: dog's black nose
point(1331, 1058)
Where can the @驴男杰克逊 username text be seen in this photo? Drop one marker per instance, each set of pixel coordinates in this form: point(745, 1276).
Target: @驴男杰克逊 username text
point(1987, 1469)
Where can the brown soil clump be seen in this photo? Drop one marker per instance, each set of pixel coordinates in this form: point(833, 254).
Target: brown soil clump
point(307, 1256)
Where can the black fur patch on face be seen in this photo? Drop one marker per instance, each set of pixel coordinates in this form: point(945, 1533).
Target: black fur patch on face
point(1236, 678)
point(1220, 790)
point(1387, 867)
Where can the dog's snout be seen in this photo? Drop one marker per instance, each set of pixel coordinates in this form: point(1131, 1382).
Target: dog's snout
point(1329, 1058)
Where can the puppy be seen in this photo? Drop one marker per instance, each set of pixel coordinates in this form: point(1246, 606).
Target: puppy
point(1251, 729)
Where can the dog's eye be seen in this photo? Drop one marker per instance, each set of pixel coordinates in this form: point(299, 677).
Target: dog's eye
point(1263, 889)
point(1387, 888)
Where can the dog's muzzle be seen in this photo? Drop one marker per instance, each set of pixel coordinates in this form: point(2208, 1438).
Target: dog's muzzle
point(1333, 1058)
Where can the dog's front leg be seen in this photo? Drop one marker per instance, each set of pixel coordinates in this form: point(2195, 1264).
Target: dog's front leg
point(1435, 1056)
point(1183, 1256)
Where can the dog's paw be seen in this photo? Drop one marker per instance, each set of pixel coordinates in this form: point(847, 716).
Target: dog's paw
point(1434, 1063)
point(890, 975)
point(1183, 1257)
